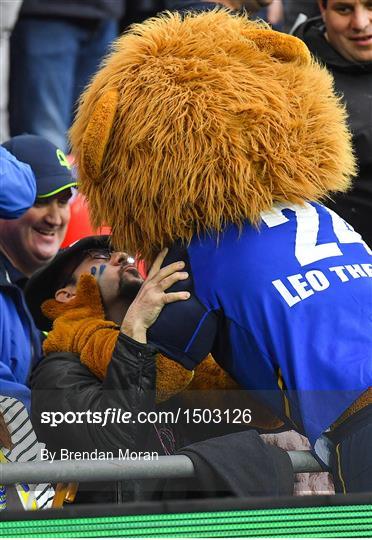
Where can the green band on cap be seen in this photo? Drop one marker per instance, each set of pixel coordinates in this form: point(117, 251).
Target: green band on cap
point(51, 193)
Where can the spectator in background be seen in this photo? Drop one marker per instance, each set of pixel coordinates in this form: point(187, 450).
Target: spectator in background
point(273, 14)
point(55, 48)
point(9, 13)
point(27, 244)
point(342, 40)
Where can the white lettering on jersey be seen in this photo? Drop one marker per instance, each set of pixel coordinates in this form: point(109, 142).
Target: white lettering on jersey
point(297, 287)
point(307, 249)
point(304, 286)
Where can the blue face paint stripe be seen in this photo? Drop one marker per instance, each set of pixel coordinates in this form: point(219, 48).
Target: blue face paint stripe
point(93, 270)
point(102, 269)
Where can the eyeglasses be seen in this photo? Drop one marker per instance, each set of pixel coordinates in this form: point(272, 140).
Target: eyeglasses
point(104, 255)
point(100, 254)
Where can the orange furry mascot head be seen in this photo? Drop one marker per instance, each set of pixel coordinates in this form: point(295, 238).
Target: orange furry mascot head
point(197, 121)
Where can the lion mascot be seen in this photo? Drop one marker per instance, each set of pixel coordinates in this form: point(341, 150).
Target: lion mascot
point(221, 139)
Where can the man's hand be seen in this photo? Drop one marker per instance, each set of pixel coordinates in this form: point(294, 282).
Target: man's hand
point(151, 298)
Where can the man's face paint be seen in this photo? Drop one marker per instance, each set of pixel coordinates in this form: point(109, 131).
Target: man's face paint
point(93, 271)
point(117, 276)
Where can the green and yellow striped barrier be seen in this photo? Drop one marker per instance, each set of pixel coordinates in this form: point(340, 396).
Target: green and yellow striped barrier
point(322, 522)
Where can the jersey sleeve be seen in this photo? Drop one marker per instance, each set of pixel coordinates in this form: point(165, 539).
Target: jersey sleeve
point(185, 331)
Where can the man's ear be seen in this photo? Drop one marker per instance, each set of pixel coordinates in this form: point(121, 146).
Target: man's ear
point(65, 295)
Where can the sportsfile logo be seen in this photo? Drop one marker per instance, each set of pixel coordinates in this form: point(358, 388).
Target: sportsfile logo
point(118, 416)
point(108, 416)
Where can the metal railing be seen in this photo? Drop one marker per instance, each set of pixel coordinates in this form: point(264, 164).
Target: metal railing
point(121, 469)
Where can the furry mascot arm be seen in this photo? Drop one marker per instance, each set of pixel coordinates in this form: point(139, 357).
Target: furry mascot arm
point(80, 327)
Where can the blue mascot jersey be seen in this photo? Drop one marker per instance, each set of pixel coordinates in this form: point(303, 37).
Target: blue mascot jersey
point(285, 308)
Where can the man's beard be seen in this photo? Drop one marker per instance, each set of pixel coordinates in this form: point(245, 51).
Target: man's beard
point(129, 288)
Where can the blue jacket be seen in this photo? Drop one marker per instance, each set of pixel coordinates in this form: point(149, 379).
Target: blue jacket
point(17, 186)
point(20, 341)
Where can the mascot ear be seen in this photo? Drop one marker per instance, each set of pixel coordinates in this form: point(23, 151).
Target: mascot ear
point(281, 46)
point(97, 134)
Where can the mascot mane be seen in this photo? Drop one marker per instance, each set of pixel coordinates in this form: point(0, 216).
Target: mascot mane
point(200, 120)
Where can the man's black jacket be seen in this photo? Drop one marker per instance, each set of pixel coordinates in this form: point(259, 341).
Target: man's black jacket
point(61, 383)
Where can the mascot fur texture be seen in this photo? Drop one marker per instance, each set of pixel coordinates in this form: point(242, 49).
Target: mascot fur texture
point(177, 135)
